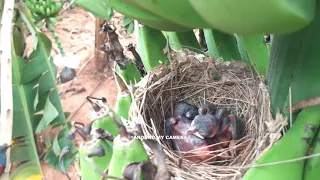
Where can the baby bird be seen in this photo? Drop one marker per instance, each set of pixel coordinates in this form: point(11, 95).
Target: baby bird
point(231, 129)
point(204, 126)
point(185, 110)
point(221, 114)
point(207, 109)
point(178, 126)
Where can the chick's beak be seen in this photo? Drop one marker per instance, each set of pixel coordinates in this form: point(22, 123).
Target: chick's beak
point(191, 130)
point(194, 131)
point(198, 135)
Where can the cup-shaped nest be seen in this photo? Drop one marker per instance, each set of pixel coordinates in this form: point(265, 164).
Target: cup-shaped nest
point(196, 79)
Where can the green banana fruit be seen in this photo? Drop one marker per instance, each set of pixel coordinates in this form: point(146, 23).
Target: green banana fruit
point(88, 172)
point(53, 10)
point(221, 45)
point(294, 144)
point(37, 9)
point(107, 124)
point(124, 98)
point(178, 11)
point(49, 2)
point(131, 74)
point(37, 17)
point(33, 1)
point(182, 40)
point(257, 52)
point(124, 153)
point(151, 43)
point(42, 11)
point(144, 16)
point(44, 4)
point(243, 53)
point(29, 5)
point(58, 6)
point(249, 17)
point(48, 12)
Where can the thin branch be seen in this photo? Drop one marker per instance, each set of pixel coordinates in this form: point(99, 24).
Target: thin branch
point(94, 90)
point(306, 103)
point(6, 76)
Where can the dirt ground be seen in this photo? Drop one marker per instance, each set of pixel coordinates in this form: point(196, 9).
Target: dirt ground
point(77, 34)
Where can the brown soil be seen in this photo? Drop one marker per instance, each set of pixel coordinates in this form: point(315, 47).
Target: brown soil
point(77, 34)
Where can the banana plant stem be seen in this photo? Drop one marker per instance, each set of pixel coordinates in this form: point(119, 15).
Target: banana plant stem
point(55, 36)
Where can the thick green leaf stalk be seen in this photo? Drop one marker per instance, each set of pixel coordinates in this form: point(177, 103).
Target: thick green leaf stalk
point(294, 144)
point(182, 40)
point(151, 46)
point(87, 171)
point(221, 45)
point(294, 61)
point(257, 52)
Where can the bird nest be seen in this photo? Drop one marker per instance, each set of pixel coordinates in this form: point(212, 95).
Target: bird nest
point(196, 79)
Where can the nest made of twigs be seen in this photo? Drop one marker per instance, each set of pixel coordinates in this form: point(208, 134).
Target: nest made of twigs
point(196, 79)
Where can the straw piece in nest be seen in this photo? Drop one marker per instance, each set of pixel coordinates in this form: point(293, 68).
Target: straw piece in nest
point(197, 80)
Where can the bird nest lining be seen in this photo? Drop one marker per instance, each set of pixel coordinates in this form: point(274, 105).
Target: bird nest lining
point(196, 79)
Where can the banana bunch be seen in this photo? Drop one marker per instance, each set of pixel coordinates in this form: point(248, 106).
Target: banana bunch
point(44, 8)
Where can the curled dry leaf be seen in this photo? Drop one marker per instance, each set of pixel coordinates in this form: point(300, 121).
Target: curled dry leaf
point(97, 152)
point(103, 134)
point(133, 171)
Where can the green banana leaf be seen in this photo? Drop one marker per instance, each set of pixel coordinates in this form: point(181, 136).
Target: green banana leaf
point(36, 79)
point(22, 124)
